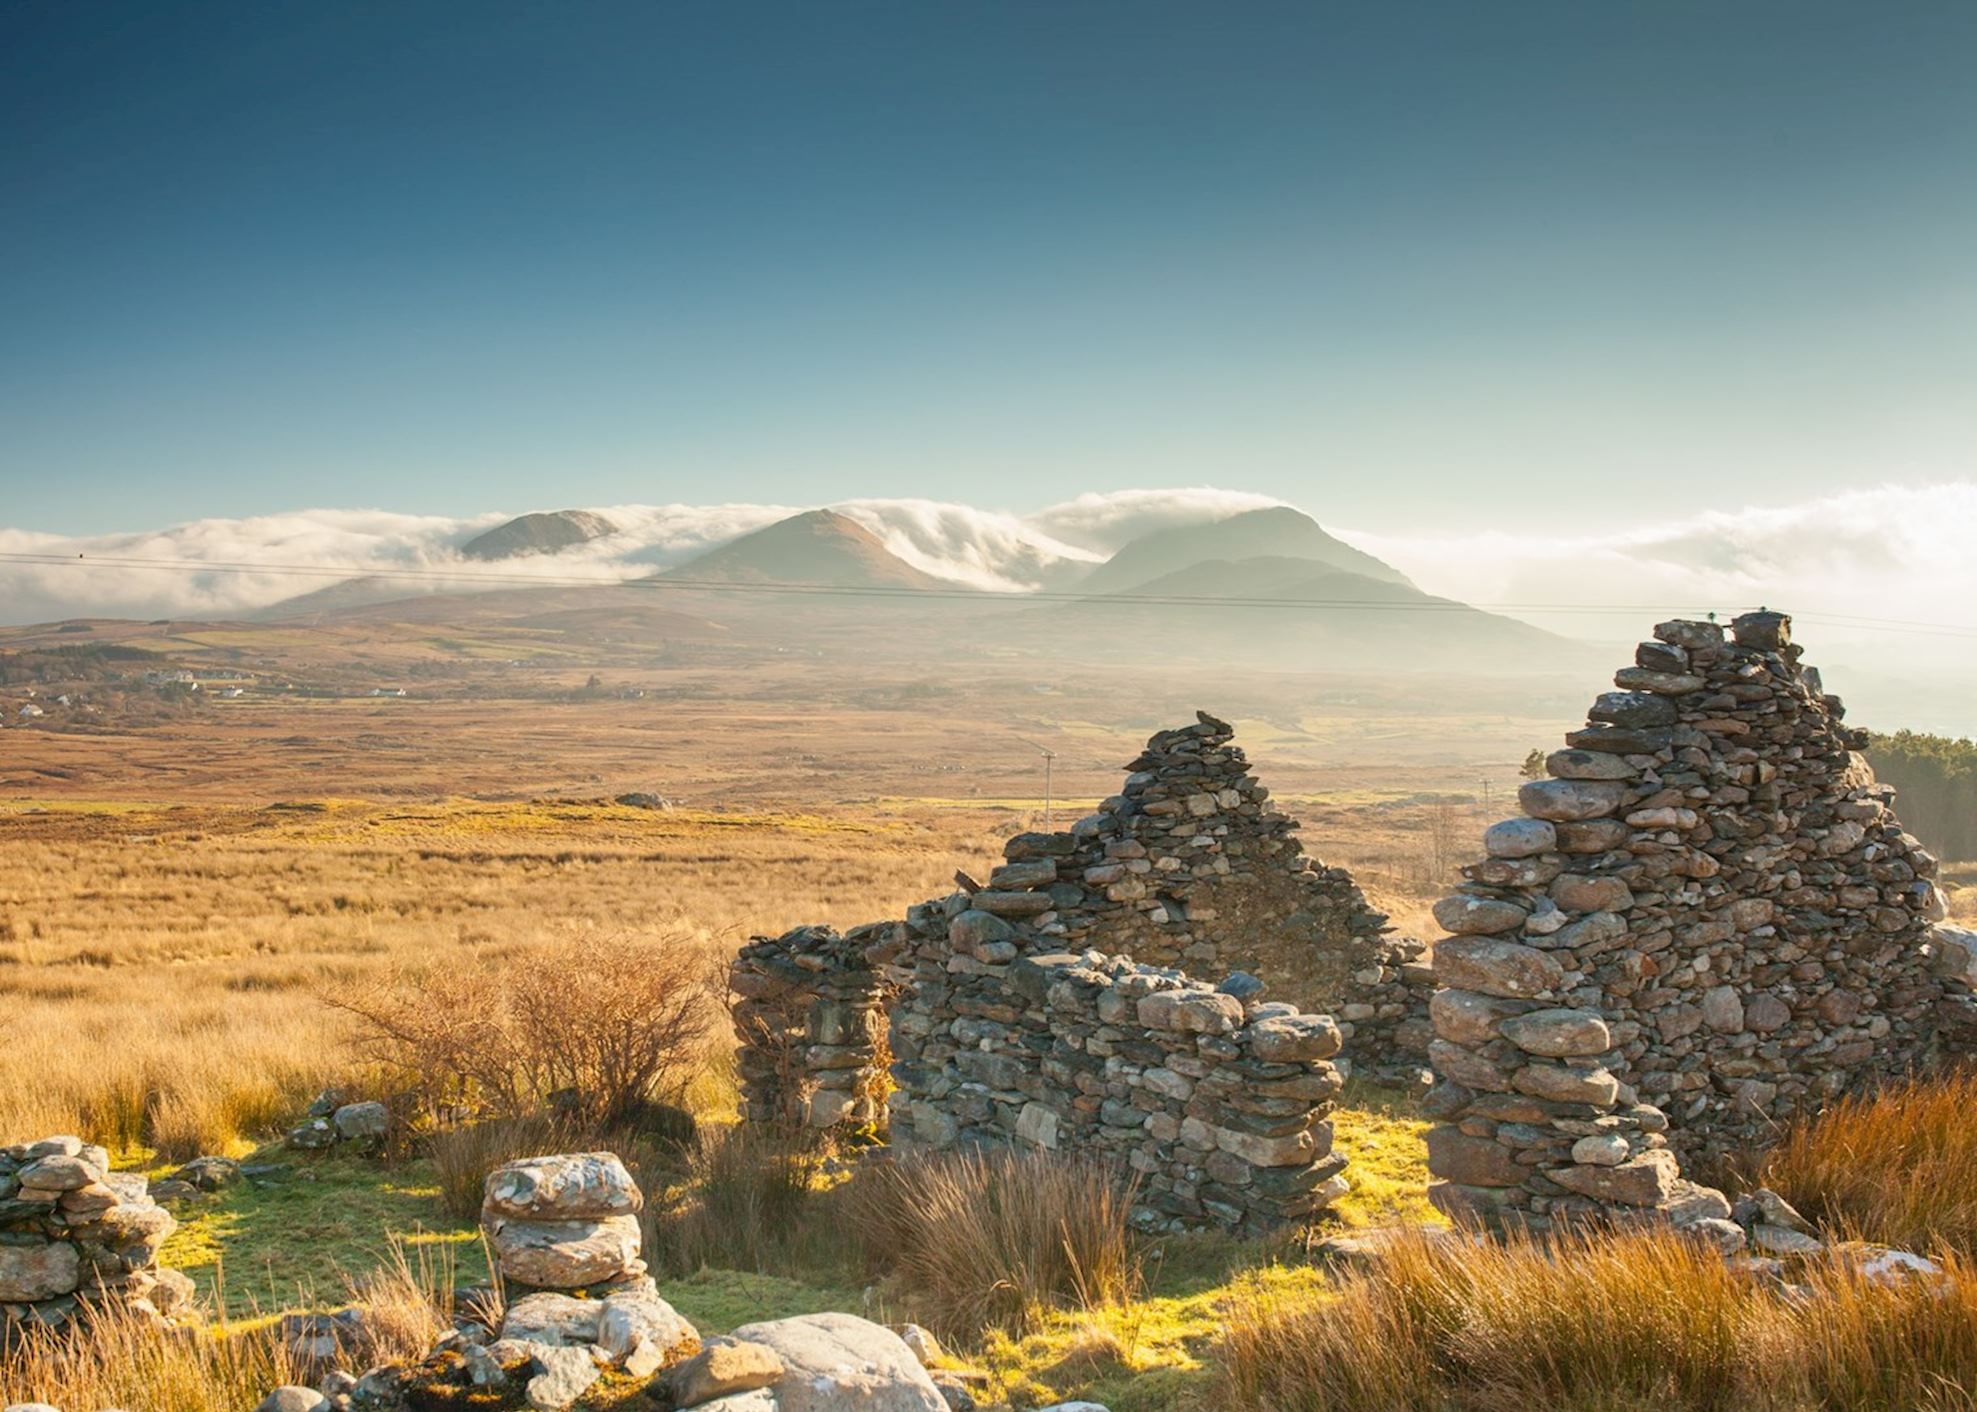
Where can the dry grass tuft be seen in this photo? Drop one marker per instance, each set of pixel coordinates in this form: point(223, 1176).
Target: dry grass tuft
point(990, 1240)
point(1646, 1321)
point(748, 1203)
point(119, 1360)
point(1898, 1166)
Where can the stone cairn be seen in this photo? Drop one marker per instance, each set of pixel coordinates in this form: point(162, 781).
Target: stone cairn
point(1217, 1100)
point(1708, 921)
point(561, 1225)
point(811, 1021)
point(73, 1232)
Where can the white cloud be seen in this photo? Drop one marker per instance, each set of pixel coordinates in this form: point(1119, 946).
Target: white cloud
point(1104, 522)
point(1858, 571)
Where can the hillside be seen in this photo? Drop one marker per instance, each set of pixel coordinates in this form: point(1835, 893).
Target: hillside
point(815, 547)
point(543, 533)
point(1300, 615)
point(1277, 532)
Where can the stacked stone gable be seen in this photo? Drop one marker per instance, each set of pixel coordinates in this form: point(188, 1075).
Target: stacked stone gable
point(1013, 1018)
point(1190, 867)
point(1707, 921)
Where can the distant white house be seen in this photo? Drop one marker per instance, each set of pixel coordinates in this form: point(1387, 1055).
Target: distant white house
point(232, 693)
point(30, 711)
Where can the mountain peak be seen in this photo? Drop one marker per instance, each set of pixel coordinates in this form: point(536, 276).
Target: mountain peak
point(544, 532)
point(1275, 531)
point(815, 546)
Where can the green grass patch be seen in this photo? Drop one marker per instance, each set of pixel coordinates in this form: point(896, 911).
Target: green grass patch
point(717, 1301)
point(1385, 1137)
point(294, 1240)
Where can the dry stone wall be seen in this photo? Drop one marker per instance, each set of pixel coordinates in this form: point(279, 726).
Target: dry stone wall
point(810, 1015)
point(73, 1232)
point(1015, 1019)
point(1707, 920)
point(1216, 1099)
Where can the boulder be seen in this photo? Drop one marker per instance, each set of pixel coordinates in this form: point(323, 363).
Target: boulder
point(630, 1319)
point(1289, 1039)
point(553, 1319)
point(564, 1254)
point(1500, 968)
point(1570, 800)
point(841, 1363)
point(1519, 838)
point(573, 1186)
point(29, 1273)
point(1646, 1180)
point(293, 1399)
point(1461, 914)
point(361, 1122)
point(1558, 1034)
point(562, 1376)
point(724, 1367)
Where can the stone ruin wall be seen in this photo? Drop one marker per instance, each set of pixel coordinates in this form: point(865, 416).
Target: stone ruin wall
point(1707, 921)
point(1190, 867)
point(1013, 1021)
point(1216, 1099)
point(810, 1015)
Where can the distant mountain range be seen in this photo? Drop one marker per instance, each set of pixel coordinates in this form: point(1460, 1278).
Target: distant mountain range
point(1294, 593)
point(1221, 579)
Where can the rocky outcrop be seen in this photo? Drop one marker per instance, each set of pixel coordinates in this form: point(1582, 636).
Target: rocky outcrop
point(72, 1231)
point(1707, 921)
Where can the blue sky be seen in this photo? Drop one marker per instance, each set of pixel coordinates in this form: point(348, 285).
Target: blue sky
point(1411, 265)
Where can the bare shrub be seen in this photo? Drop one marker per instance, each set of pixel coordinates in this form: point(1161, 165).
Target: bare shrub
point(1899, 1166)
point(981, 1240)
point(408, 1300)
point(602, 1027)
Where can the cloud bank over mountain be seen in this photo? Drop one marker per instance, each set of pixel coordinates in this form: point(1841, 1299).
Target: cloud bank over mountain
point(1891, 553)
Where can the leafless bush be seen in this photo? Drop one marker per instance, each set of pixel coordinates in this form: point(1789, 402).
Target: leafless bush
point(600, 1027)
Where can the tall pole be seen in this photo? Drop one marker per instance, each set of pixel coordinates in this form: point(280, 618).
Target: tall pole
point(1049, 799)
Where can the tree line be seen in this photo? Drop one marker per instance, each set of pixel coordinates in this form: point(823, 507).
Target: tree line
point(1937, 780)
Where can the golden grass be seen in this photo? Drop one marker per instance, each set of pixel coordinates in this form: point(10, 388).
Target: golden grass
point(119, 1360)
point(162, 987)
point(1596, 1323)
point(1898, 1166)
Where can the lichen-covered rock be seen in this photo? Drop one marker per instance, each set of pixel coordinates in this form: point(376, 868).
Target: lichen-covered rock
point(841, 1363)
point(724, 1367)
point(563, 1254)
point(565, 1187)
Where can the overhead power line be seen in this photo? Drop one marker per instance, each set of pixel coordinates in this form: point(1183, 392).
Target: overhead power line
point(668, 582)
